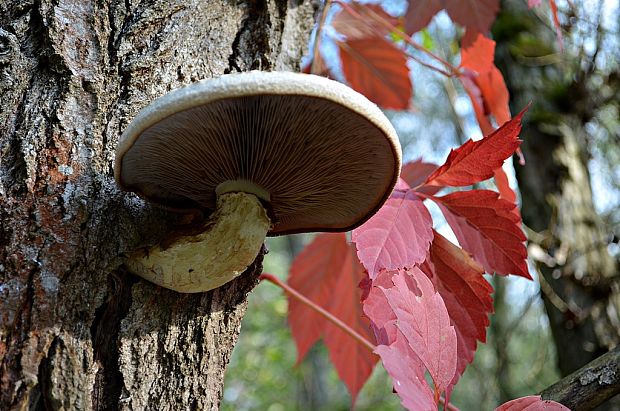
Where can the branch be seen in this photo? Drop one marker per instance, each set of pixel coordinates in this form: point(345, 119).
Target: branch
point(590, 386)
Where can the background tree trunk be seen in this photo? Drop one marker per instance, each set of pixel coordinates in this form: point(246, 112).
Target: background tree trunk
point(76, 330)
point(579, 281)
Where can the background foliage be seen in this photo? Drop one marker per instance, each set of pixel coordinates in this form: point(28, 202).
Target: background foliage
point(519, 357)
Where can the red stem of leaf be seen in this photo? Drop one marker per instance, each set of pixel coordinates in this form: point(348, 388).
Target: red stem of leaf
point(447, 406)
point(330, 317)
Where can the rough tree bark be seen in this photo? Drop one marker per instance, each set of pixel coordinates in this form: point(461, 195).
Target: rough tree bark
point(579, 280)
point(76, 330)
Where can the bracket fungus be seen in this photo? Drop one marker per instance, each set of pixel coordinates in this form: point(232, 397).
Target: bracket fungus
point(268, 153)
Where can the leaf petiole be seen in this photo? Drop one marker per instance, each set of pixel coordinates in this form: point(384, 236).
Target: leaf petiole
point(326, 314)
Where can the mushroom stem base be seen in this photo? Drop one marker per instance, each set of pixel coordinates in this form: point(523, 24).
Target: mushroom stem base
point(236, 232)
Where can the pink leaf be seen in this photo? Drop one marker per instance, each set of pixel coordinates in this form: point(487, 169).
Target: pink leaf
point(533, 3)
point(531, 403)
point(486, 226)
point(476, 161)
point(407, 373)
point(397, 236)
point(423, 319)
point(466, 294)
point(414, 335)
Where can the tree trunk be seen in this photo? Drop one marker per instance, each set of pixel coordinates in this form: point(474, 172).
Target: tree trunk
point(579, 281)
point(77, 332)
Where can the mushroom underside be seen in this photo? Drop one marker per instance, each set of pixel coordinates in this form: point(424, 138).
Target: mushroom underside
point(325, 168)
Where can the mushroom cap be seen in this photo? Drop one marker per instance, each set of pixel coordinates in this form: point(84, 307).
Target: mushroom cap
point(321, 156)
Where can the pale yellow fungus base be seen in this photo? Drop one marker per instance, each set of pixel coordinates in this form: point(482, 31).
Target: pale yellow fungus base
point(235, 234)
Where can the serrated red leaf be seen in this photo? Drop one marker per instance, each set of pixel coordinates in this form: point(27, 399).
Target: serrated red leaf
point(416, 172)
point(423, 319)
point(466, 294)
point(472, 14)
point(476, 161)
point(378, 69)
point(486, 227)
point(397, 236)
point(328, 272)
point(531, 403)
point(356, 20)
point(477, 51)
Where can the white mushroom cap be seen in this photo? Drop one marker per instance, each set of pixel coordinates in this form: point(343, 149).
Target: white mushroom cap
point(321, 156)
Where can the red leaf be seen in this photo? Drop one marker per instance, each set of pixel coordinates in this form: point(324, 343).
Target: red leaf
point(416, 172)
point(377, 308)
point(477, 51)
point(328, 272)
point(356, 20)
point(486, 227)
point(476, 161)
point(495, 94)
point(466, 294)
point(422, 317)
point(420, 13)
point(473, 14)
point(397, 236)
point(503, 186)
point(468, 79)
point(378, 69)
point(353, 361)
point(531, 403)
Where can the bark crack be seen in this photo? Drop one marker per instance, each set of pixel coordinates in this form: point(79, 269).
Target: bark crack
point(104, 333)
point(251, 48)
